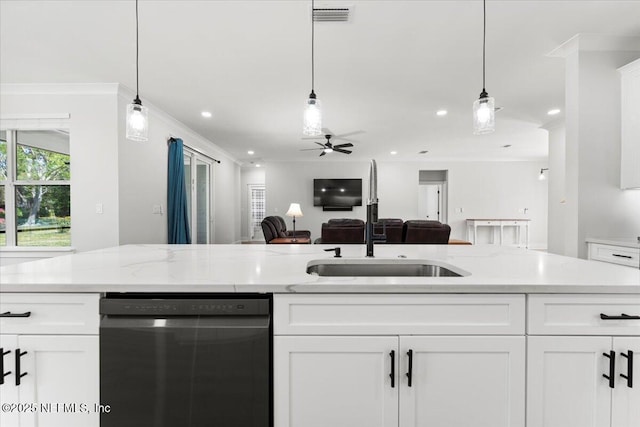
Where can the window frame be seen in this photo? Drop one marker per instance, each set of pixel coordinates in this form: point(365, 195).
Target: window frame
point(12, 129)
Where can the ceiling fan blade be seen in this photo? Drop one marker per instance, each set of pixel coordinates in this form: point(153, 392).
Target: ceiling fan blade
point(339, 150)
point(321, 145)
point(311, 149)
point(342, 135)
point(323, 153)
point(343, 145)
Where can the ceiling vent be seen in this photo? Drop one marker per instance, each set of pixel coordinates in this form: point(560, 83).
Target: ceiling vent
point(331, 14)
point(423, 152)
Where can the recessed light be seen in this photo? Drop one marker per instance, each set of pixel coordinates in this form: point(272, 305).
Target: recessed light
point(257, 165)
point(553, 112)
point(441, 113)
point(206, 114)
point(251, 152)
point(393, 153)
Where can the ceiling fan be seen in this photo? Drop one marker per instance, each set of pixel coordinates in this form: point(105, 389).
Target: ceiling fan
point(327, 147)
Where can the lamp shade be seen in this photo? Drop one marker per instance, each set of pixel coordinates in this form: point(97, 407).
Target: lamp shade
point(484, 115)
point(312, 117)
point(294, 210)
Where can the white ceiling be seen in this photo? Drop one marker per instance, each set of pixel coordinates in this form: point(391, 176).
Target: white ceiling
point(384, 73)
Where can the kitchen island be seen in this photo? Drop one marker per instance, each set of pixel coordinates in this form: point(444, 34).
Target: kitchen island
point(522, 338)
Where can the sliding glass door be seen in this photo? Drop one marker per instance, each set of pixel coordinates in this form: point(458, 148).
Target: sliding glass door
point(199, 182)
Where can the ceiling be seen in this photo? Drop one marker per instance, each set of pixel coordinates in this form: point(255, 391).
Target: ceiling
point(382, 74)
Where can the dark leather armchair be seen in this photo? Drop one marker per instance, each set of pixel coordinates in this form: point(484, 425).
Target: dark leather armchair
point(342, 230)
point(426, 232)
point(274, 226)
point(392, 228)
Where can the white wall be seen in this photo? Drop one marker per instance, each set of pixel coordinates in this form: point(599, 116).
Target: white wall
point(127, 178)
point(481, 189)
point(596, 206)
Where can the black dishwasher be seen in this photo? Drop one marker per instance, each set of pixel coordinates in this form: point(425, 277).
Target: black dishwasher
point(186, 360)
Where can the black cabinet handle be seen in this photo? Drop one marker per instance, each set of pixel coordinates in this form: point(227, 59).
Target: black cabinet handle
point(19, 374)
point(622, 256)
point(4, 374)
point(10, 314)
point(629, 376)
point(410, 370)
point(392, 375)
point(621, 317)
point(612, 368)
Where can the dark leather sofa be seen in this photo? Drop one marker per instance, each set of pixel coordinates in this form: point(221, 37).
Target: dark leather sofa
point(274, 226)
point(425, 232)
point(342, 230)
point(391, 227)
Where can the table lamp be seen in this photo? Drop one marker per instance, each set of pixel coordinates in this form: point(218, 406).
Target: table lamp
point(294, 211)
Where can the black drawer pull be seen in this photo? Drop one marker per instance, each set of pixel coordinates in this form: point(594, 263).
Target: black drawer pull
point(410, 370)
point(392, 375)
point(2, 355)
point(612, 368)
point(19, 374)
point(10, 314)
point(621, 317)
point(622, 256)
point(629, 376)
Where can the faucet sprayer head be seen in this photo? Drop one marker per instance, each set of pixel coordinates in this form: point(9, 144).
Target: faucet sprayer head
point(373, 183)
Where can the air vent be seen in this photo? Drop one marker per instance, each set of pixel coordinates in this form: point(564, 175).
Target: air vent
point(423, 152)
point(331, 14)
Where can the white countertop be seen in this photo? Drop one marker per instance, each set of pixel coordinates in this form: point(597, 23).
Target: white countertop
point(282, 268)
point(627, 242)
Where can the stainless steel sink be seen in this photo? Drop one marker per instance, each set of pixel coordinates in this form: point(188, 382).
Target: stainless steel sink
point(383, 268)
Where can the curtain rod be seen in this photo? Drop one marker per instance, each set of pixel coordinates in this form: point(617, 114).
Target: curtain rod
point(171, 140)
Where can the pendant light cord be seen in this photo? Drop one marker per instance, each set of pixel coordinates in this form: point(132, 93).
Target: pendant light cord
point(137, 80)
point(312, 45)
point(484, 39)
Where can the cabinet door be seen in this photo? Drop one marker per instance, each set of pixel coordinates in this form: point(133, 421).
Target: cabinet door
point(335, 381)
point(626, 394)
point(566, 387)
point(462, 381)
point(62, 376)
point(8, 390)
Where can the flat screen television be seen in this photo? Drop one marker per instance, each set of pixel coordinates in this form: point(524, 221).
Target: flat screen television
point(337, 193)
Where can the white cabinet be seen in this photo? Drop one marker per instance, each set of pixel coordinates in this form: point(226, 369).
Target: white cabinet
point(578, 367)
point(50, 379)
point(335, 381)
point(330, 368)
point(462, 381)
point(630, 125)
point(623, 252)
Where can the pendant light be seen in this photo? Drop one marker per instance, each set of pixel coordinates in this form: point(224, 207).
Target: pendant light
point(312, 124)
point(484, 113)
point(137, 114)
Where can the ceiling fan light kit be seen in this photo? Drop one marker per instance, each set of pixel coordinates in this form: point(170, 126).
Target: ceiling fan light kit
point(137, 127)
point(484, 110)
point(312, 120)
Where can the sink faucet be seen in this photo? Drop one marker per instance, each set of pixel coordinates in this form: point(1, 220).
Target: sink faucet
point(372, 210)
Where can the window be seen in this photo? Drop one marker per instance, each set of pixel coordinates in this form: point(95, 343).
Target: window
point(35, 190)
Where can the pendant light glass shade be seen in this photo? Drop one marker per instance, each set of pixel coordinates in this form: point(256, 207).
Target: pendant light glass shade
point(484, 114)
point(312, 125)
point(137, 121)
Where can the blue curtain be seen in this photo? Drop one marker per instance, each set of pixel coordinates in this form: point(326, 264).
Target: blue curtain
point(177, 210)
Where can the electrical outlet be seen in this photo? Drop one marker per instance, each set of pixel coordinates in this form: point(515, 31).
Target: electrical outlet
point(99, 208)
point(459, 210)
point(157, 210)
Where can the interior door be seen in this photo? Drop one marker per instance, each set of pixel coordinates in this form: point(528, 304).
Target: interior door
point(462, 381)
point(322, 381)
point(430, 201)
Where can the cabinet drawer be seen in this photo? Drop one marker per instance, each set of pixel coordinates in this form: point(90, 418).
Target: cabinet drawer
point(615, 254)
point(50, 313)
point(399, 314)
point(581, 314)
